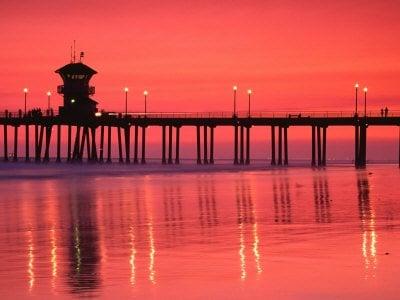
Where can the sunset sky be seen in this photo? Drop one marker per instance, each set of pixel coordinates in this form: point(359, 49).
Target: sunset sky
point(294, 55)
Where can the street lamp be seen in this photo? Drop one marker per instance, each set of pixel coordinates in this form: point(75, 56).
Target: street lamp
point(25, 93)
point(356, 86)
point(48, 100)
point(249, 93)
point(234, 100)
point(145, 93)
point(365, 101)
point(126, 90)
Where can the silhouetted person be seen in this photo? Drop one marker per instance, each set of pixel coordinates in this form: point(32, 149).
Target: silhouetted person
point(381, 112)
point(386, 112)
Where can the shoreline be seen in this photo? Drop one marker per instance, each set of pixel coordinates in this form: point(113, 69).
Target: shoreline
point(52, 170)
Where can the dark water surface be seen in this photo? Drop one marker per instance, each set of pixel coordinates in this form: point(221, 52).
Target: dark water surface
point(279, 234)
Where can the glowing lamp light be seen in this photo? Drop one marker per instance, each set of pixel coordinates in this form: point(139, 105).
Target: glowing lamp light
point(365, 89)
point(356, 85)
point(249, 92)
point(145, 93)
point(126, 89)
point(98, 114)
point(49, 93)
point(235, 88)
point(72, 100)
point(26, 90)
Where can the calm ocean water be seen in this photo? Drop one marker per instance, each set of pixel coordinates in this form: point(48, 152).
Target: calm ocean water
point(119, 232)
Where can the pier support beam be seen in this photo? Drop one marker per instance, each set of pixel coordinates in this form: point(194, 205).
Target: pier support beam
point(94, 146)
point(88, 148)
point(15, 157)
point(136, 142)
point(58, 159)
point(46, 157)
point(127, 131)
point(286, 146)
point(324, 146)
point(69, 144)
point(247, 145)
point(170, 144)
point(177, 145)
point(313, 161)
point(235, 141)
point(241, 145)
point(143, 161)
point(39, 146)
point(319, 145)
point(198, 145)
point(101, 154)
point(280, 145)
point(164, 159)
point(211, 144)
point(27, 159)
point(356, 145)
point(205, 145)
point(5, 137)
point(273, 161)
point(120, 159)
point(75, 154)
point(109, 145)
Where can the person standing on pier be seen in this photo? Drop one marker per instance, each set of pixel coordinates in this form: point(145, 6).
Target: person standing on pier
point(382, 112)
point(386, 112)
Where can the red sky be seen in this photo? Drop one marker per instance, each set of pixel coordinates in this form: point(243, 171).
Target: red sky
point(293, 54)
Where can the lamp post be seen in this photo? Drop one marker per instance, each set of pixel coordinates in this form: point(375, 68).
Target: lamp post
point(25, 95)
point(48, 100)
point(145, 93)
point(249, 93)
point(234, 100)
point(356, 86)
point(365, 101)
point(126, 90)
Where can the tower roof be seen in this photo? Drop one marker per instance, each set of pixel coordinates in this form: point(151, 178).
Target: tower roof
point(76, 68)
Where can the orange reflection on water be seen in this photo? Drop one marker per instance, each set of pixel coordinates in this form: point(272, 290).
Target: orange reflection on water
point(133, 255)
point(31, 259)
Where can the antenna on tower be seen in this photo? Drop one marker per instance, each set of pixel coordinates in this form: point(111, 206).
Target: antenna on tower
point(74, 52)
point(70, 54)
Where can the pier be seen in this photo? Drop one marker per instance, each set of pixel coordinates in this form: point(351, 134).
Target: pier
point(81, 119)
point(82, 144)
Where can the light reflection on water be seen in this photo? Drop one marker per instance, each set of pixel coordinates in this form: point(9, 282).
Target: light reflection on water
point(288, 233)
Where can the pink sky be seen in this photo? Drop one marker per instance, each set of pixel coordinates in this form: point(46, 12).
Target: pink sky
point(293, 55)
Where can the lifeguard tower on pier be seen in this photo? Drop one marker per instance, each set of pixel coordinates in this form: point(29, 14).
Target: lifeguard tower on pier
point(77, 90)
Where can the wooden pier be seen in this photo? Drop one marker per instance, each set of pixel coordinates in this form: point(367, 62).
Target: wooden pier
point(84, 143)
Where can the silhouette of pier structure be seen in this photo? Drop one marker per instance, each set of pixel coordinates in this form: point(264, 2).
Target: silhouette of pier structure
point(80, 116)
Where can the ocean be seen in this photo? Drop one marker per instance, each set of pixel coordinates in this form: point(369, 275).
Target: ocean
point(195, 232)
